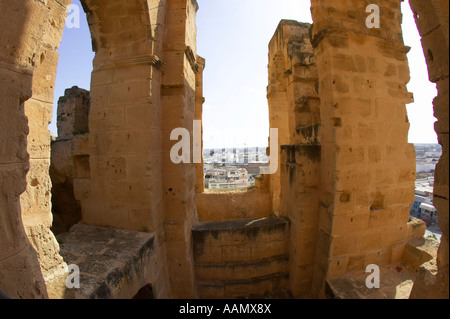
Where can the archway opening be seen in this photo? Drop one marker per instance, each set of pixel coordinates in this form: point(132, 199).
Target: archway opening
point(422, 132)
point(70, 117)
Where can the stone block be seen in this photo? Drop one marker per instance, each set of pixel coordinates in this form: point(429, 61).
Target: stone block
point(370, 240)
point(348, 224)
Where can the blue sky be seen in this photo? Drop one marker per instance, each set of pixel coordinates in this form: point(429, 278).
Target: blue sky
point(233, 36)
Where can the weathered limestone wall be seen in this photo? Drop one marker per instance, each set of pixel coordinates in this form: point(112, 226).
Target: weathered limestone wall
point(31, 34)
point(368, 167)
point(36, 201)
point(213, 206)
point(299, 173)
point(123, 122)
point(241, 258)
point(300, 177)
point(292, 95)
point(278, 102)
point(178, 101)
point(432, 21)
point(123, 189)
point(73, 113)
point(69, 162)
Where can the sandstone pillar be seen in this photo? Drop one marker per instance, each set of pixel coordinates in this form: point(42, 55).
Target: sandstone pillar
point(36, 201)
point(300, 160)
point(178, 111)
point(199, 100)
point(367, 165)
point(123, 189)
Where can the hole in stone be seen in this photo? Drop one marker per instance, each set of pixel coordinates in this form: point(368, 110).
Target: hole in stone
point(34, 182)
point(345, 198)
point(145, 292)
point(337, 122)
point(82, 167)
point(378, 201)
point(430, 55)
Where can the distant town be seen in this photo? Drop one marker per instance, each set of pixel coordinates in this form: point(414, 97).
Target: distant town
point(427, 156)
point(233, 168)
point(237, 168)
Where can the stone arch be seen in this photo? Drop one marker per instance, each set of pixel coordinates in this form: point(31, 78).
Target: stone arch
point(122, 93)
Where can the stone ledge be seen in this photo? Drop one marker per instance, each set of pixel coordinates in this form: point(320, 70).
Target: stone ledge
point(240, 233)
point(113, 263)
point(223, 205)
point(242, 225)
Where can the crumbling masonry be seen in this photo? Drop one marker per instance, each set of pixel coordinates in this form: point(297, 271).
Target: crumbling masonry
point(139, 225)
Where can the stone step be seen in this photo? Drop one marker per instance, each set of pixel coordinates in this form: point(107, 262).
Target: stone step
point(257, 287)
point(240, 258)
point(242, 270)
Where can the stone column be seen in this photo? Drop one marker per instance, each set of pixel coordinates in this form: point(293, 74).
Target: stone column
point(300, 160)
point(367, 165)
point(199, 100)
point(277, 95)
point(36, 201)
point(178, 111)
point(124, 188)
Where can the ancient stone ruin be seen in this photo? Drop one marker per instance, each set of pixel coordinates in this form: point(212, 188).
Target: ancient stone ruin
point(106, 197)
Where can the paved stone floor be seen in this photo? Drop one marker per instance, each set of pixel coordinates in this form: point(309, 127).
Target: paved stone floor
point(395, 283)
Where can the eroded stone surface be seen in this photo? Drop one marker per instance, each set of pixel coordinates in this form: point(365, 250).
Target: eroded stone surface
point(113, 263)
